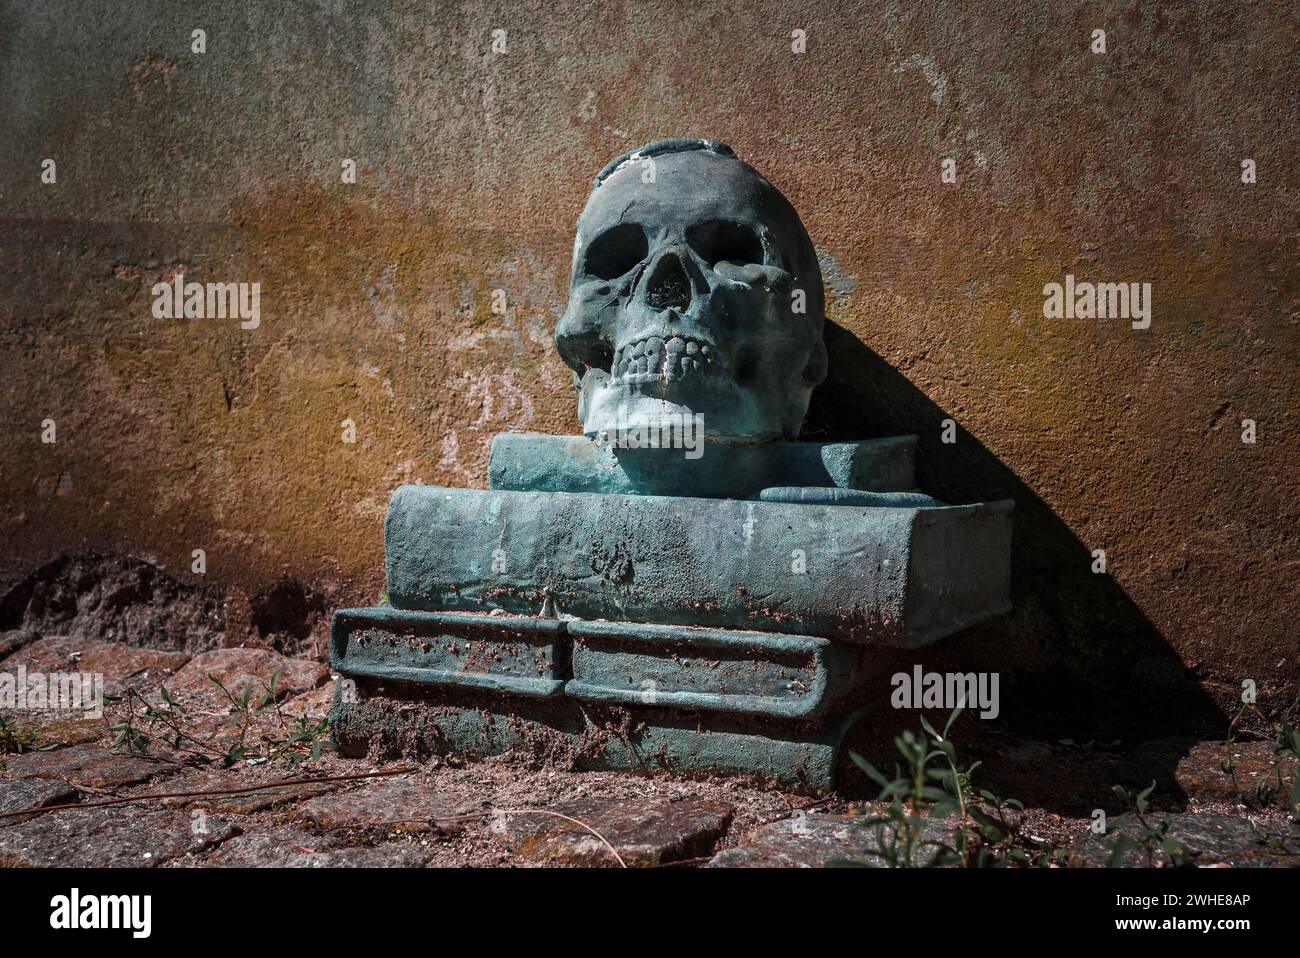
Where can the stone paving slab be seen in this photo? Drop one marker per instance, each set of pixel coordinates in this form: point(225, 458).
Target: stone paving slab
point(404, 805)
point(313, 705)
point(108, 838)
point(14, 639)
point(241, 803)
point(1196, 768)
point(122, 666)
point(381, 856)
point(813, 841)
point(249, 802)
point(20, 793)
point(488, 813)
point(643, 832)
point(237, 668)
point(86, 765)
point(267, 847)
point(59, 727)
point(1221, 839)
point(301, 850)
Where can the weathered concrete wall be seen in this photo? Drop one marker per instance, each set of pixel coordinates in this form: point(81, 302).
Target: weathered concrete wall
point(174, 435)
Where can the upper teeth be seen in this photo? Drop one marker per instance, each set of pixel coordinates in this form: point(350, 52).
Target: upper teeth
point(655, 358)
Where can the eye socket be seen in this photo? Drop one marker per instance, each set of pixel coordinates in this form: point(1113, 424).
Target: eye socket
point(719, 240)
point(615, 251)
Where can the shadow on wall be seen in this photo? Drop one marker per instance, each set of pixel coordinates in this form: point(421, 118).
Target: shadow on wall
point(1077, 657)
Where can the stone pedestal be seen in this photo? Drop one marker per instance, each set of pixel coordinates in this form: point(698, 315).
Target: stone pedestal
point(575, 609)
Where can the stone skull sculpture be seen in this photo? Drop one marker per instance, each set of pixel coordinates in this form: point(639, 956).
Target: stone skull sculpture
point(695, 290)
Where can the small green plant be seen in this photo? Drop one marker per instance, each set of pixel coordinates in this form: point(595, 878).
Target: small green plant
point(1286, 738)
point(915, 828)
point(1288, 746)
point(1147, 839)
point(168, 722)
point(16, 739)
point(935, 816)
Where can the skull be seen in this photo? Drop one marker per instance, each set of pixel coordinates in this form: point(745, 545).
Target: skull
point(695, 290)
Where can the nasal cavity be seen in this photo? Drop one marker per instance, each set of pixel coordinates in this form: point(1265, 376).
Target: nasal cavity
point(669, 287)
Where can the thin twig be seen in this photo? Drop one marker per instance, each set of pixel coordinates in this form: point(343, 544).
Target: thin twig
point(213, 791)
point(543, 811)
point(681, 862)
point(485, 813)
point(433, 820)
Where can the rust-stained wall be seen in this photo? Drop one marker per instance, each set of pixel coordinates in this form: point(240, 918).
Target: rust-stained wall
point(174, 435)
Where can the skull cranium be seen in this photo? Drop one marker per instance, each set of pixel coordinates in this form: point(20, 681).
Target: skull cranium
point(696, 290)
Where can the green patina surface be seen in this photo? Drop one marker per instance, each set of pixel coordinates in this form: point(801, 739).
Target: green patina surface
point(901, 576)
point(751, 673)
point(657, 631)
point(524, 461)
point(389, 719)
point(615, 663)
point(520, 656)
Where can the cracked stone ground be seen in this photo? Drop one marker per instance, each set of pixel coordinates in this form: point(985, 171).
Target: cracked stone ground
point(338, 812)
